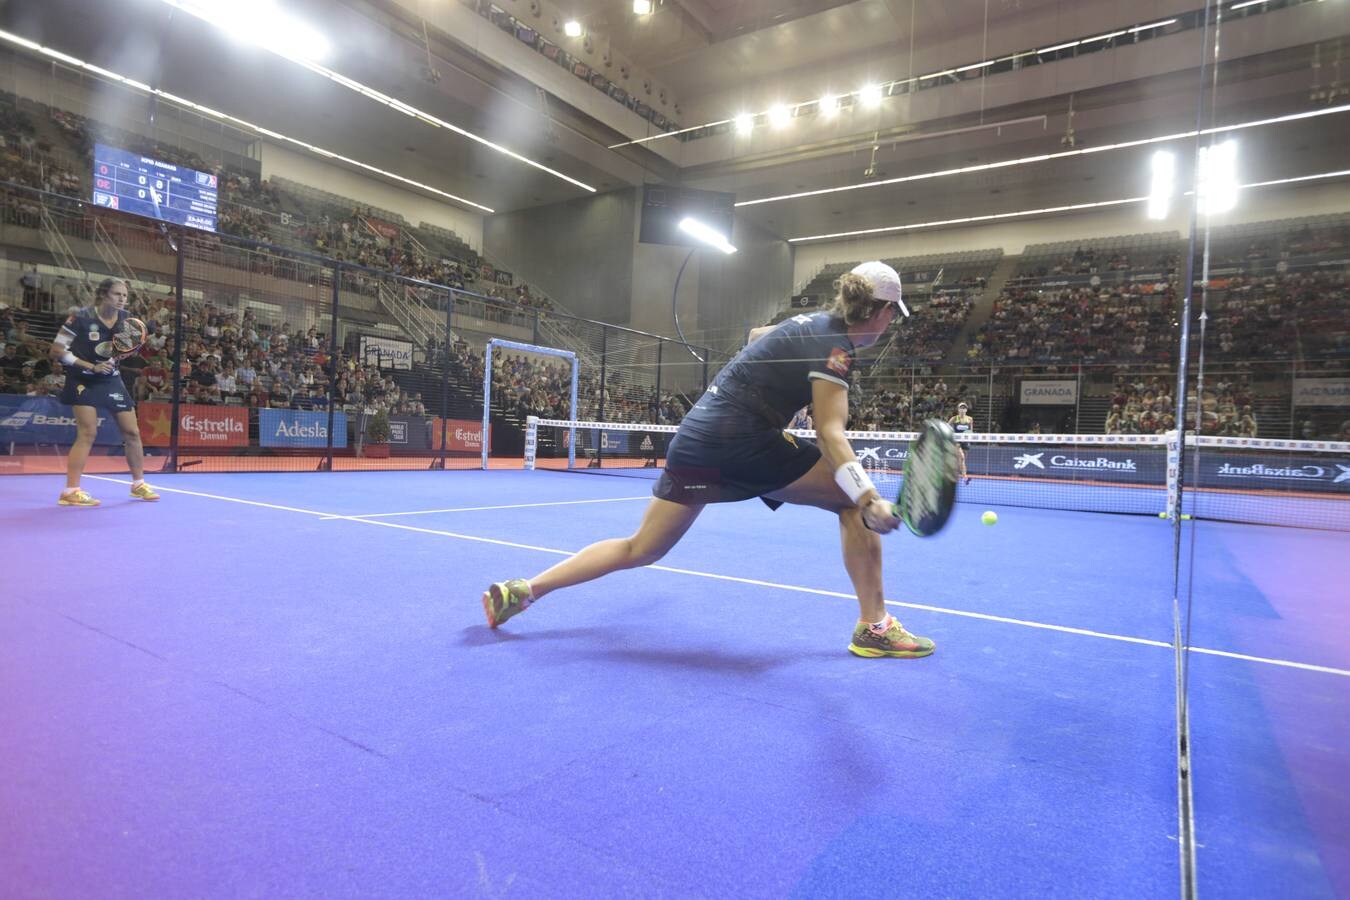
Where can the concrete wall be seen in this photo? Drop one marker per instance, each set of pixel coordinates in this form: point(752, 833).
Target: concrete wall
point(579, 252)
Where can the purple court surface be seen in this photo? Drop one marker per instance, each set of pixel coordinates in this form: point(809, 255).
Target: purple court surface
point(282, 685)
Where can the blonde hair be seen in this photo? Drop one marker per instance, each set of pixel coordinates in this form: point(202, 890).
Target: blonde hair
point(853, 300)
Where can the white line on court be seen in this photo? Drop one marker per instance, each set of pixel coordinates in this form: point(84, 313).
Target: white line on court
point(819, 592)
point(426, 512)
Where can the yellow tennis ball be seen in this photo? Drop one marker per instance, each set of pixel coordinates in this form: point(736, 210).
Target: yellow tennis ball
point(989, 517)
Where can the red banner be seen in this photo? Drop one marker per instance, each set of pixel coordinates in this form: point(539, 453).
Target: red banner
point(460, 434)
point(198, 426)
point(386, 229)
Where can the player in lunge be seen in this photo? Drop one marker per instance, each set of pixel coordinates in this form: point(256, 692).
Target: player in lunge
point(732, 446)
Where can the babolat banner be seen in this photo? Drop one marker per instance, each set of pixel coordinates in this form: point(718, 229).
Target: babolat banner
point(42, 420)
point(300, 428)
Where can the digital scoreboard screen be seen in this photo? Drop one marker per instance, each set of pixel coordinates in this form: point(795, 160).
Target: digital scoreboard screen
point(663, 206)
point(157, 190)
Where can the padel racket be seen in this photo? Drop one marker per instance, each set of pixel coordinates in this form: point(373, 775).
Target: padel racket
point(932, 469)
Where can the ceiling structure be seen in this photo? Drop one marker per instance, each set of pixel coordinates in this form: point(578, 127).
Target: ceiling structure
point(718, 57)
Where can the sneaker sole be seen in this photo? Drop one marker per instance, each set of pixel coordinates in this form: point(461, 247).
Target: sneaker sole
point(84, 505)
point(145, 499)
point(874, 653)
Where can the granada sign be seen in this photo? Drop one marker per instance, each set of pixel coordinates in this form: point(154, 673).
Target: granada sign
point(198, 426)
point(1322, 391)
point(1063, 392)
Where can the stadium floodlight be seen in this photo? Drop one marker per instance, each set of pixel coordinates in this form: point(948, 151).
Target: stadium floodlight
point(1163, 184)
point(706, 234)
point(572, 28)
point(642, 7)
point(780, 115)
point(828, 105)
point(1218, 188)
point(870, 95)
point(745, 123)
point(260, 22)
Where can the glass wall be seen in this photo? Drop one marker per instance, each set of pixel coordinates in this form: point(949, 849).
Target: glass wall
point(262, 358)
point(1262, 564)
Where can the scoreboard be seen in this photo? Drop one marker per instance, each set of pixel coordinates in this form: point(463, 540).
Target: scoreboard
point(154, 189)
point(664, 205)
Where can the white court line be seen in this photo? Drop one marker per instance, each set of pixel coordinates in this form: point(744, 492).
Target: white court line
point(426, 512)
point(819, 592)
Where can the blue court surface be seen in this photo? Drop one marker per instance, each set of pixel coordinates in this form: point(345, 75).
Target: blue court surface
point(282, 684)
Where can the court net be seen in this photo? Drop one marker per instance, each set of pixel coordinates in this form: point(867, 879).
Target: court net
point(1273, 482)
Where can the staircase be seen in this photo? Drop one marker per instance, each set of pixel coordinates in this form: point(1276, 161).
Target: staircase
point(111, 254)
point(984, 308)
point(62, 254)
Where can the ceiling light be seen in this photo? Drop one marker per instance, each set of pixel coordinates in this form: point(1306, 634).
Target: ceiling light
point(870, 95)
point(642, 7)
point(780, 115)
point(262, 23)
point(572, 28)
point(745, 123)
point(1164, 167)
point(828, 105)
point(706, 234)
point(1218, 188)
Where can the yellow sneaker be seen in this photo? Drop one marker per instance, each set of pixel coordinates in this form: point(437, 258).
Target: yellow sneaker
point(893, 640)
point(76, 498)
point(144, 492)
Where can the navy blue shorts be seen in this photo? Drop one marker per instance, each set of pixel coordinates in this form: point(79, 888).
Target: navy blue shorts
point(110, 394)
point(704, 466)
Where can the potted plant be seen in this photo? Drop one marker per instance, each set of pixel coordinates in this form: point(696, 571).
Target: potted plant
point(377, 435)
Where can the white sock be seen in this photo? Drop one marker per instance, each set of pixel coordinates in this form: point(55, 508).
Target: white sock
point(137, 482)
point(882, 625)
point(68, 491)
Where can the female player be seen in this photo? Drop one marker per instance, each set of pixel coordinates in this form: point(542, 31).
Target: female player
point(962, 423)
point(732, 446)
point(93, 383)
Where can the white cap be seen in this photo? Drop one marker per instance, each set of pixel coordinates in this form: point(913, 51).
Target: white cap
point(885, 282)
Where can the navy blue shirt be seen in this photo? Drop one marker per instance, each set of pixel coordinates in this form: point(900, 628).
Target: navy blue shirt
point(771, 378)
point(90, 340)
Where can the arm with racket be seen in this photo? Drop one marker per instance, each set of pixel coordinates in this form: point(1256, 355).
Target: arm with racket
point(830, 405)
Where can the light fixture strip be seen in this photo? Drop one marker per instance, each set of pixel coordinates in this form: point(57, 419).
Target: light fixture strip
point(233, 120)
point(1045, 157)
point(428, 118)
point(1342, 173)
point(889, 87)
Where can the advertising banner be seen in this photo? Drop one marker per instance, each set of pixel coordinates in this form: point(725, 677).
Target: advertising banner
point(300, 428)
point(198, 425)
point(1049, 393)
point(410, 432)
point(460, 434)
point(43, 420)
point(387, 353)
point(1322, 391)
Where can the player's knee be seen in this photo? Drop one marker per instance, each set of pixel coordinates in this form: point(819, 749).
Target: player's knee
point(644, 553)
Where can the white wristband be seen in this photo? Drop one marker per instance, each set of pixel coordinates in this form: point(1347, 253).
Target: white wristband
point(69, 358)
point(853, 480)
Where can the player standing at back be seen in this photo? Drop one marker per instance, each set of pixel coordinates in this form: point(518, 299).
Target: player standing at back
point(88, 345)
